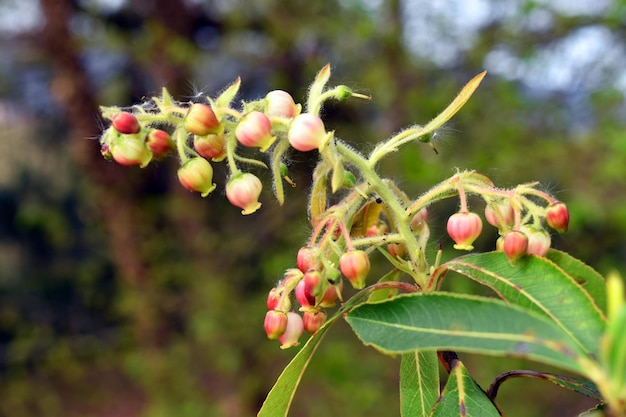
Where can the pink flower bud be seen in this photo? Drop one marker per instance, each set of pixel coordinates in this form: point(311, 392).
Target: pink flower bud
point(464, 228)
point(308, 258)
point(255, 130)
point(279, 103)
point(210, 146)
point(295, 327)
point(538, 240)
point(313, 320)
point(243, 191)
point(332, 293)
point(500, 214)
point(355, 265)
point(557, 217)
point(125, 123)
point(313, 283)
point(197, 175)
point(273, 298)
point(515, 245)
point(275, 324)
point(305, 298)
point(201, 120)
point(397, 250)
point(159, 142)
point(129, 151)
point(307, 133)
point(419, 220)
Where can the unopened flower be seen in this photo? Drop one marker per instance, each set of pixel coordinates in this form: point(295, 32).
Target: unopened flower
point(313, 320)
point(304, 297)
point(275, 324)
point(197, 175)
point(295, 327)
point(125, 123)
point(355, 265)
point(130, 151)
point(279, 103)
point(538, 240)
point(514, 245)
point(500, 214)
point(210, 146)
point(557, 217)
point(308, 258)
point(201, 120)
point(313, 282)
point(159, 142)
point(464, 228)
point(307, 133)
point(255, 130)
point(243, 191)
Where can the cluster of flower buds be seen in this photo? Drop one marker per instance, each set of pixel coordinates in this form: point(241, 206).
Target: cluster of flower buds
point(518, 220)
point(212, 131)
point(317, 284)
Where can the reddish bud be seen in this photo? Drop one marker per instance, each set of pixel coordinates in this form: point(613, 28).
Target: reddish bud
point(464, 228)
point(313, 320)
point(307, 133)
point(131, 151)
point(419, 220)
point(125, 123)
point(197, 175)
point(557, 217)
point(332, 293)
point(355, 265)
point(243, 191)
point(308, 258)
point(279, 103)
point(500, 214)
point(305, 298)
point(295, 327)
point(211, 146)
point(275, 324)
point(313, 283)
point(159, 142)
point(255, 130)
point(377, 229)
point(201, 120)
point(538, 240)
point(273, 298)
point(515, 245)
point(397, 250)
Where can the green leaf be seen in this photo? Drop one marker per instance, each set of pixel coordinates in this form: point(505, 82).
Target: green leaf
point(419, 383)
point(537, 284)
point(587, 277)
point(228, 95)
point(463, 397)
point(443, 321)
point(582, 386)
point(277, 158)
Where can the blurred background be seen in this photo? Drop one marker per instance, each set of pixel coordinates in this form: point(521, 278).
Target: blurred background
point(122, 294)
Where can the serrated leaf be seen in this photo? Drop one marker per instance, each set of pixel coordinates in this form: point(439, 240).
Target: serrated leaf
point(443, 321)
point(463, 397)
point(537, 284)
point(589, 279)
point(456, 105)
point(419, 383)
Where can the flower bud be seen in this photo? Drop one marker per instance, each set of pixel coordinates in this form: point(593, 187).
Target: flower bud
point(313, 283)
point(201, 120)
point(308, 258)
point(313, 320)
point(464, 228)
point(243, 191)
point(159, 142)
point(307, 133)
point(397, 250)
point(273, 298)
point(210, 146)
point(515, 245)
point(279, 103)
point(129, 151)
point(275, 324)
point(355, 265)
point(538, 240)
point(557, 216)
point(500, 214)
point(125, 123)
point(197, 175)
point(304, 297)
point(255, 130)
point(419, 220)
point(295, 327)
point(332, 293)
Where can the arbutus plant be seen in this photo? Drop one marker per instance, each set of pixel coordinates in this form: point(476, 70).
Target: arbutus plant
point(551, 308)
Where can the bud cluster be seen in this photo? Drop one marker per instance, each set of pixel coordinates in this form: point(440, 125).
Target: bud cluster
point(212, 131)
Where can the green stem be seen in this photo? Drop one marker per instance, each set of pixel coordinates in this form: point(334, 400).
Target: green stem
point(398, 213)
point(231, 145)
